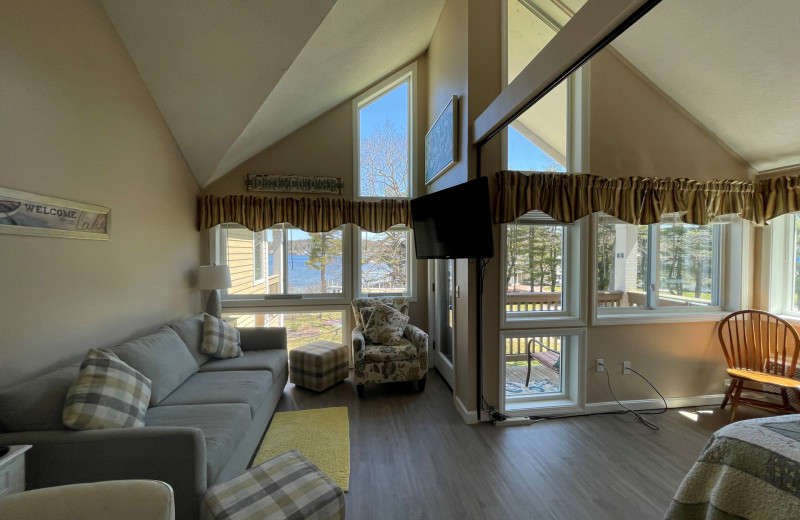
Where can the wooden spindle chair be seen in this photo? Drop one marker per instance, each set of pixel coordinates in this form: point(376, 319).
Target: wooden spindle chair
point(759, 348)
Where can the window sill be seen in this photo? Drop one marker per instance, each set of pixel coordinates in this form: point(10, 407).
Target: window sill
point(639, 318)
point(542, 322)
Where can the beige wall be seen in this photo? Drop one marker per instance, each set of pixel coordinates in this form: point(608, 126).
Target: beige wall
point(464, 59)
point(324, 148)
point(447, 70)
point(79, 124)
point(635, 129)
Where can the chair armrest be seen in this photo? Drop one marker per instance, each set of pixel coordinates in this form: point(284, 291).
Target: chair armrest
point(175, 455)
point(263, 338)
point(117, 499)
point(358, 345)
point(542, 347)
point(418, 338)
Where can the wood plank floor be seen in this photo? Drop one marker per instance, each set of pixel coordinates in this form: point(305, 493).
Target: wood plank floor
point(412, 457)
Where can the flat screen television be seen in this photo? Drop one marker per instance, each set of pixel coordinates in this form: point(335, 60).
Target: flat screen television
point(454, 223)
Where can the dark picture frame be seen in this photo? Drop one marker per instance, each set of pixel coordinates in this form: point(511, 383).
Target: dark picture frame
point(441, 142)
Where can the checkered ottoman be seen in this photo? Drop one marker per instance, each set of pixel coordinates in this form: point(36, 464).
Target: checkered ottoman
point(318, 365)
point(288, 486)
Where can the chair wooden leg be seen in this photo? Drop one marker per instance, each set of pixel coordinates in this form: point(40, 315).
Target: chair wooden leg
point(421, 383)
point(729, 392)
point(735, 402)
point(360, 390)
point(785, 396)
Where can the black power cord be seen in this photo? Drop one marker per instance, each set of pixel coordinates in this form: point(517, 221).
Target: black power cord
point(636, 414)
point(626, 410)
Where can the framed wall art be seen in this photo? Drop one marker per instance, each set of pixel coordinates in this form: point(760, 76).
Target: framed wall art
point(24, 213)
point(441, 142)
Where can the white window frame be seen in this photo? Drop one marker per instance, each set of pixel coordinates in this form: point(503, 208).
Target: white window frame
point(572, 398)
point(779, 248)
point(406, 74)
point(264, 260)
point(573, 312)
point(732, 247)
point(411, 266)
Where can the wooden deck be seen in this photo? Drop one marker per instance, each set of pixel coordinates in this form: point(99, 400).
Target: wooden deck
point(516, 374)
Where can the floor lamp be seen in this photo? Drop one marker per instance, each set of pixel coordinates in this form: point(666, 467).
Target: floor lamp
point(213, 278)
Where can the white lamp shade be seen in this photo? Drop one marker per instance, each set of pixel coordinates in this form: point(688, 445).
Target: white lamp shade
point(214, 277)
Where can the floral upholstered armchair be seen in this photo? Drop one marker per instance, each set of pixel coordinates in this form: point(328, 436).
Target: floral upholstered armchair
point(386, 347)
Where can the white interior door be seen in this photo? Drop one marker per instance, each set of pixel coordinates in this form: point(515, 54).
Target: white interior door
point(443, 314)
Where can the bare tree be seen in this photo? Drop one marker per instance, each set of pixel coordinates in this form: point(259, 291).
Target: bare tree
point(384, 163)
point(384, 173)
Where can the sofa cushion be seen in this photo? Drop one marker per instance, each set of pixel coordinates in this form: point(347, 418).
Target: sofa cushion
point(36, 405)
point(273, 360)
point(249, 387)
point(403, 351)
point(106, 394)
point(223, 426)
point(191, 332)
point(220, 339)
point(163, 358)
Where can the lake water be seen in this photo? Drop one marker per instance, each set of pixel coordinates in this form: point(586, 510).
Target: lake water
point(304, 279)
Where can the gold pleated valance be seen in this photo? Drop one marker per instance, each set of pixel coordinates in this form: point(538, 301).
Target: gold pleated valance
point(314, 215)
point(639, 200)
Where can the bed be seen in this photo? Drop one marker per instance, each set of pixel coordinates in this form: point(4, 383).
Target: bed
point(749, 469)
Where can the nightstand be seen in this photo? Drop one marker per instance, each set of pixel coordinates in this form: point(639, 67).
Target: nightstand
point(12, 470)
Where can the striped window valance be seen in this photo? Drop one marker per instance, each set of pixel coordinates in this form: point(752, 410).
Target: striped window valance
point(639, 200)
point(314, 215)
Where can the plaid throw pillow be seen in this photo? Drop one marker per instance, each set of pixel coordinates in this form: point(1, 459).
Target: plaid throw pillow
point(106, 394)
point(220, 339)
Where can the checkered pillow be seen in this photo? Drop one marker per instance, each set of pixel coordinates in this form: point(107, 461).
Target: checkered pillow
point(220, 339)
point(287, 486)
point(106, 394)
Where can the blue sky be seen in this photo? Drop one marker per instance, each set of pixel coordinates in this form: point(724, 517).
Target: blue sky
point(393, 104)
point(523, 155)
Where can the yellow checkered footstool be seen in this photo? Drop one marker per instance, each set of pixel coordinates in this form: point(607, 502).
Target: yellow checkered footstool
point(318, 365)
point(287, 487)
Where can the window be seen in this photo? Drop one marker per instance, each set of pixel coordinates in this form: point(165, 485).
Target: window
point(384, 136)
point(784, 249)
point(541, 371)
point(534, 281)
point(668, 266)
point(301, 327)
point(258, 258)
point(794, 298)
point(297, 263)
point(385, 261)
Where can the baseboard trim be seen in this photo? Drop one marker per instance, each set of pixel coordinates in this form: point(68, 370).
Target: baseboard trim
point(469, 417)
point(654, 404)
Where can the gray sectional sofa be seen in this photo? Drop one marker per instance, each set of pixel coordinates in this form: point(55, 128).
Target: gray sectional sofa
point(204, 422)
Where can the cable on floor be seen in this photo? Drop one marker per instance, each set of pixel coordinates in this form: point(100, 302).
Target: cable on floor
point(626, 410)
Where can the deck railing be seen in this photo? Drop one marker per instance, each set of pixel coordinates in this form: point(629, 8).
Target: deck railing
point(551, 301)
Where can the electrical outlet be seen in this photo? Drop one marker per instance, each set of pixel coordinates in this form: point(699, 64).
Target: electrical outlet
point(626, 367)
point(600, 367)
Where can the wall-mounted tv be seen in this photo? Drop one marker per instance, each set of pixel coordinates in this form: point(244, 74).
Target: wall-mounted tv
point(454, 223)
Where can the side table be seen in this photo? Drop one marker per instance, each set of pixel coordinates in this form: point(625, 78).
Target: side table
point(12, 470)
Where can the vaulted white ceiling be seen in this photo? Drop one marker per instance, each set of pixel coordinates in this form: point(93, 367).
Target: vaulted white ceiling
point(733, 64)
point(232, 78)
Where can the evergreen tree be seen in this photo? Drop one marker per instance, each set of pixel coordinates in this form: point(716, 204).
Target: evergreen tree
point(322, 250)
